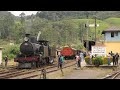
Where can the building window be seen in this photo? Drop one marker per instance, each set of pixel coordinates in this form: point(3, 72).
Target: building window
point(112, 34)
point(116, 33)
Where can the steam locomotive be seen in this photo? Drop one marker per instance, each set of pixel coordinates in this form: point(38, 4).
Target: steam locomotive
point(35, 53)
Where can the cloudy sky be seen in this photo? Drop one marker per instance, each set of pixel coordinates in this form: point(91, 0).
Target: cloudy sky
point(17, 13)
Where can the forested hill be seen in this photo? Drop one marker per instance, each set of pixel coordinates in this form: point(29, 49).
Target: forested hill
point(58, 15)
point(58, 27)
point(4, 13)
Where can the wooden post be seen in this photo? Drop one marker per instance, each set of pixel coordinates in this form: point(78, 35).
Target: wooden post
point(95, 29)
point(1, 55)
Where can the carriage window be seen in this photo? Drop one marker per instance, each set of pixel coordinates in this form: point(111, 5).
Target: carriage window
point(112, 34)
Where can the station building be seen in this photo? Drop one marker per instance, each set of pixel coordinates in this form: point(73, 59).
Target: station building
point(112, 39)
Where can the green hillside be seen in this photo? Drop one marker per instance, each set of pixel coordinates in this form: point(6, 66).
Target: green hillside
point(76, 22)
point(113, 21)
point(102, 24)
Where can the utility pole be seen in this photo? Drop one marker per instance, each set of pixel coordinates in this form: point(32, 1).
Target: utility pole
point(66, 36)
point(87, 42)
point(95, 29)
point(87, 27)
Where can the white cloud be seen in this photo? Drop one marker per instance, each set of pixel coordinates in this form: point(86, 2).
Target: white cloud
point(17, 13)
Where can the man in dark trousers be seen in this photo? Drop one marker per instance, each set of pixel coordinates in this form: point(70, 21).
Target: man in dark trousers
point(116, 58)
point(114, 62)
point(60, 62)
point(6, 61)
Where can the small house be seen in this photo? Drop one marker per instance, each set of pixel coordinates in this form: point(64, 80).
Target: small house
point(112, 39)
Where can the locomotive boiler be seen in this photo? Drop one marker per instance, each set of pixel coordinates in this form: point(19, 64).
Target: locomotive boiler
point(35, 53)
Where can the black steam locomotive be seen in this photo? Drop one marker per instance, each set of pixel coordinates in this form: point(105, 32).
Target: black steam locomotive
point(35, 53)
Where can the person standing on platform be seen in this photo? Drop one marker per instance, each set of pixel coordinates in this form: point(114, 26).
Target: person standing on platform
point(6, 60)
point(109, 59)
point(114, 63)
point(82, 56)
point(116, 58)
point(78, 62)
point(60, 63)
point(91, 56)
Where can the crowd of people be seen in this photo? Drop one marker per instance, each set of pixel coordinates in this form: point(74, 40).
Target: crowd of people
point(115, 58)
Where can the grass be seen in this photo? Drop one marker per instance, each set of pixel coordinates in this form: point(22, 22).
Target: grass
point(76, 22)
point(113, 21)
point(10, 63)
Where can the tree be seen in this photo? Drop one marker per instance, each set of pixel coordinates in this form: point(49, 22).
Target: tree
point(22, 16)
point(6, 25)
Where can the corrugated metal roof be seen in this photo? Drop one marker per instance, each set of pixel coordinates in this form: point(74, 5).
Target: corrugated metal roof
point(112, 29)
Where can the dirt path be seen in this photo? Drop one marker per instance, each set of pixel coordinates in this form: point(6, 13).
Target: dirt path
point(88, 73)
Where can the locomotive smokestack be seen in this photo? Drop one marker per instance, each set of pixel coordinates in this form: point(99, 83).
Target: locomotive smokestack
point(27, 35)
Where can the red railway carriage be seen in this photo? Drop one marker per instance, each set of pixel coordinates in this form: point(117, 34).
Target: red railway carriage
point(68, 52)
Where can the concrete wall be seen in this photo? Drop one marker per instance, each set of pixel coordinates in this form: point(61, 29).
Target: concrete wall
point(112, 46)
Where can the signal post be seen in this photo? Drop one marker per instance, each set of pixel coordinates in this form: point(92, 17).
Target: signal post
point(1, 55)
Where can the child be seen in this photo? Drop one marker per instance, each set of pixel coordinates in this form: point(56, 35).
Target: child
point(43, 73)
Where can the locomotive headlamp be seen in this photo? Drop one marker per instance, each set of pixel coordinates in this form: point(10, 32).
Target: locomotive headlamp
point(26, 39)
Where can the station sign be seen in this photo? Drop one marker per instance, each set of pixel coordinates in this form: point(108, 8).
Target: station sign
point(99, 50)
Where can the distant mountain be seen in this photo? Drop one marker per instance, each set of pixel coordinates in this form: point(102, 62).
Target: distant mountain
point(3, 13)
point(58, 15)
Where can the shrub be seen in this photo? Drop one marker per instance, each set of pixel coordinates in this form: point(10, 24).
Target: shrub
point(14, 50)
point(93, 60)
point(11, 56)
point(11, 51)
point(105, 60)
point(98, 61)
point(87, 58)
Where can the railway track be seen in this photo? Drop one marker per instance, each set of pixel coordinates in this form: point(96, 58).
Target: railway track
point(20, 72)
point(48, 71)
point(113, 75)
point(11, 70)
point(7, 70)
point(14, 73)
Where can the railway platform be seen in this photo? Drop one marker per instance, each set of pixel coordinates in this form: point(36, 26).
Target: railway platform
point(83, 64)
point(91, 72)
point(105, 65)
